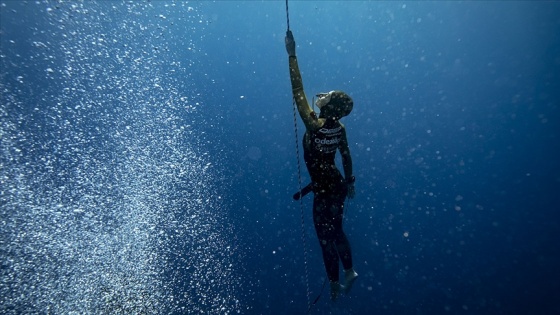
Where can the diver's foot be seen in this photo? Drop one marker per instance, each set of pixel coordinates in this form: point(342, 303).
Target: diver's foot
point(336, 289)
point(350, 276)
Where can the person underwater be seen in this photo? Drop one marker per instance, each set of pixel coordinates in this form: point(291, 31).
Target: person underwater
point(324, 136)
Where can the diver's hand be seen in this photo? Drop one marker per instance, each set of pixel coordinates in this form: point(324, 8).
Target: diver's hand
point(351, 190)
point(290, 44)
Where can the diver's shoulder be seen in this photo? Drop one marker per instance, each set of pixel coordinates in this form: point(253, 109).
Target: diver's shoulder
point(317, 124)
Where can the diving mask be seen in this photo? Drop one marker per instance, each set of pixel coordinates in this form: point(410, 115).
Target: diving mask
point(323, 99)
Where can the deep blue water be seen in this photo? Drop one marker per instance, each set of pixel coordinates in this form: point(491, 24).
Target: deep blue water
point(148, 156)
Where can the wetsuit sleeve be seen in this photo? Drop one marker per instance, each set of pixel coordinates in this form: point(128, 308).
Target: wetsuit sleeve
point(345, 153)
point(305, 111)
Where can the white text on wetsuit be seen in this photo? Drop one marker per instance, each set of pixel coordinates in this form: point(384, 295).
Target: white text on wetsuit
point(326, 140)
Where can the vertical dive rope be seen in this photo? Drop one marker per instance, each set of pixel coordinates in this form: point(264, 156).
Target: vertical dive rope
point(303, 238)
point(287, 15)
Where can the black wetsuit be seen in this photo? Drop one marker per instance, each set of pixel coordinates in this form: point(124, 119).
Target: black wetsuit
point(323, 137)
point(330, 192)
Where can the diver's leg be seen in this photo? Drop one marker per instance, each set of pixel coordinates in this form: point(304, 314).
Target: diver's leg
point(345, 253)
point(324, 230)
point(342, 244)
point(344, 250)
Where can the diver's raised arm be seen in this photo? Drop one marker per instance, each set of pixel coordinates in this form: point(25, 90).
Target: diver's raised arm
point(305, 111)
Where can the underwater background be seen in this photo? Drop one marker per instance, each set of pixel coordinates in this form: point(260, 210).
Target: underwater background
point(148, 156)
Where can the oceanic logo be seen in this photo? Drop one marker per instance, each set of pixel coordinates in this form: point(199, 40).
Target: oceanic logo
point(327, 142)
point(327, 139)
point(330, 131)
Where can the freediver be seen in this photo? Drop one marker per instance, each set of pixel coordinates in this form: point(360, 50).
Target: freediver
point(325, 135)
